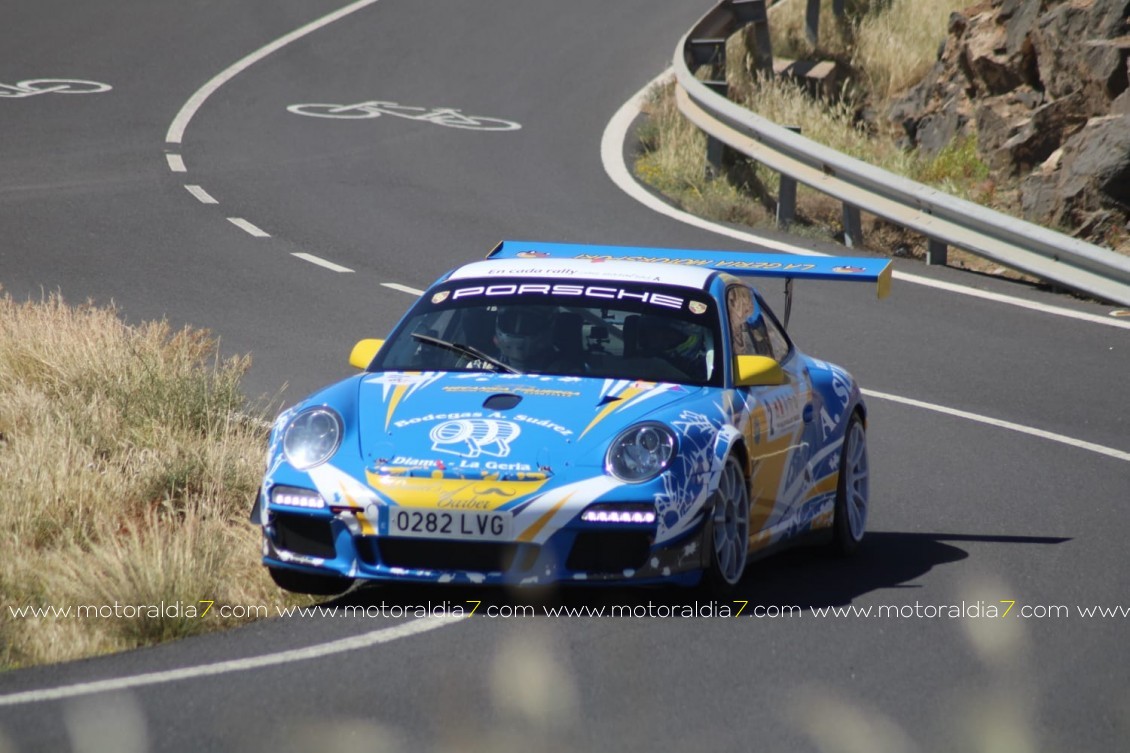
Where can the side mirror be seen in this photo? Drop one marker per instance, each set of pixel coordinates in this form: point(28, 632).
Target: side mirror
point(364, 352)
point(757, 371)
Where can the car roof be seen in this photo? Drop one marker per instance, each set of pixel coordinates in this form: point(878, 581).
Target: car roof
point(587, 269)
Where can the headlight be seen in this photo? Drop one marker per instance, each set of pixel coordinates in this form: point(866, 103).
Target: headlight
point(312, 437)
point(640, 453)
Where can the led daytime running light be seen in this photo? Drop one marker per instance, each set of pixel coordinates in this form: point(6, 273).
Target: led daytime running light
point(620, 516)
point(297, 498)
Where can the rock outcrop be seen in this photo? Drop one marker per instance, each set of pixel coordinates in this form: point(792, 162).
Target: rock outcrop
point(1045, 86)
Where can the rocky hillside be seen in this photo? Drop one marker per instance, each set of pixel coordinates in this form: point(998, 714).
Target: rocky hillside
point(1043, 84)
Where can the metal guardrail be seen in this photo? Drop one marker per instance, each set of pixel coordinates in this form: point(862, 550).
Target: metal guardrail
point(943, 219)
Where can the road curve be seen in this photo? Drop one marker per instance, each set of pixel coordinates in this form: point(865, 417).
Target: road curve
point(283, 233)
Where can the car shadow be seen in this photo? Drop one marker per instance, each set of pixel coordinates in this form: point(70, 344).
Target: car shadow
point(804, 577)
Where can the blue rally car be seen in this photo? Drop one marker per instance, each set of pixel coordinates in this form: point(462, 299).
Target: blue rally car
point(561, 413)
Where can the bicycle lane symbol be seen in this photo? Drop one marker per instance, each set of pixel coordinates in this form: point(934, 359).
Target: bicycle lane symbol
point(35, 86)
point(443, 116)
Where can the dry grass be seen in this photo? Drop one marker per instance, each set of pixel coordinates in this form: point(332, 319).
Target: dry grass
point(786, 29)
point(896, 47)
point(127, 467)
point(673, 162)
point(892, 43)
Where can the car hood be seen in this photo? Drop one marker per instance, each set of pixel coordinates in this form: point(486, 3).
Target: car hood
point(473, 425)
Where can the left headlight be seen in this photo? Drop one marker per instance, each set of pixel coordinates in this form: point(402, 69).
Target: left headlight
point(640, 453)
point(312, 437)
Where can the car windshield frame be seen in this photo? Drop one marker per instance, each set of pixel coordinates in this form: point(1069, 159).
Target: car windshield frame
point(588, 328)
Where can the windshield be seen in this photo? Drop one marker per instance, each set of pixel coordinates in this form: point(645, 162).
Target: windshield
point(619, 330)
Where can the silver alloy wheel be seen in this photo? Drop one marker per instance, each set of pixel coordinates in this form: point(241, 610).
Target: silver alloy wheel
point(731, 524)
point(854, 483)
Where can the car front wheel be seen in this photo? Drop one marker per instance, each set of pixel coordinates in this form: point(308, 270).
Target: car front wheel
point(729, 537)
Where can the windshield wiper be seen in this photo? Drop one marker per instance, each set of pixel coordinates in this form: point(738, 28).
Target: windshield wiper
point(466, 350)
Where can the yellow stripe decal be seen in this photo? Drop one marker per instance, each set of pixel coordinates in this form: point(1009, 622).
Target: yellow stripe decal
point(825, 485)
point(452, 493)
point(529, 534)
point(624, 397)
point(397, 393)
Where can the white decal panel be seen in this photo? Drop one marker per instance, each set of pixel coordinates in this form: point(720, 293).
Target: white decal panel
point(473, 437)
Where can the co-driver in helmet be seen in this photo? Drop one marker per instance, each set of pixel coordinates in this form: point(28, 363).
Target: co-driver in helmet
point(682, 344)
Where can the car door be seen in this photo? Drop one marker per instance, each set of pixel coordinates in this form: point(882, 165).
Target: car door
point(779, 429)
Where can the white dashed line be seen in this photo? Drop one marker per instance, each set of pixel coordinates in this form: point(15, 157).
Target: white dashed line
point(365, 640)
point(176, 163)
point(201, 195)
point(402, 288)
point(1092, 447)
point(322, 262)
point(246, 226)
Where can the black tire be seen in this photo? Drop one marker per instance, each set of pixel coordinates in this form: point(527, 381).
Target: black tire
point(853, 491)
point(727, 539)
point(307, 583)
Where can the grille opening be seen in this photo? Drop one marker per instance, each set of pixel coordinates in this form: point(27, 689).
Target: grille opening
point(428, 554)
point(609, 551)
point(366, 550)
point(304, 534)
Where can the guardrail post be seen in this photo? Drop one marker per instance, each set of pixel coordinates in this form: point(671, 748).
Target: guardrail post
point(715, 149)
point(715, 153)
point(937, 252)
point(812, 22)
point(786, 202)
point(853, 226)
point(786, 196)
point(758, 16)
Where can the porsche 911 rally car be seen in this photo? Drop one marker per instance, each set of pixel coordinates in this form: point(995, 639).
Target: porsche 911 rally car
point(562, 413)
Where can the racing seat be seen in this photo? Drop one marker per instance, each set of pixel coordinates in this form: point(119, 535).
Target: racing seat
point(568, 337)
point(478, 330)
point(631, 335)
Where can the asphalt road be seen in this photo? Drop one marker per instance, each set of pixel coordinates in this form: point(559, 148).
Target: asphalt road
point(966, 514)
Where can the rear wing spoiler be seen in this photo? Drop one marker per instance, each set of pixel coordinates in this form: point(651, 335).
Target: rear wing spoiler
point(738, 263)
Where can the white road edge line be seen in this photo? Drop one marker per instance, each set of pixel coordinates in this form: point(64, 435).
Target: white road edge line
point(1062, 439)
point(612, 155)
point(246, 226)
point(201, 195)
point(365, 640)
point(322, 262)
point(402, 288)
point(188, 110)
point(176, 163)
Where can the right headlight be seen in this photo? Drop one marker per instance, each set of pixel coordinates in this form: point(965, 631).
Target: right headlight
point(312, 437)
point(640, 452)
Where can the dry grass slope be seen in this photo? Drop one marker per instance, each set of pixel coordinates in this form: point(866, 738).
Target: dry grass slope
point(127, 466)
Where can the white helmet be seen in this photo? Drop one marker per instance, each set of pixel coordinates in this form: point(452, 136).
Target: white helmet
point(524, 335)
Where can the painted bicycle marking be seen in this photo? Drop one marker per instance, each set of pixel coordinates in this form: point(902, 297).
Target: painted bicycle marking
point(35, 86)
point(443, 116)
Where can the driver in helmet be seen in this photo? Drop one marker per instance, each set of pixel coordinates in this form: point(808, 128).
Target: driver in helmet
point(524, 337)
point(680, 343)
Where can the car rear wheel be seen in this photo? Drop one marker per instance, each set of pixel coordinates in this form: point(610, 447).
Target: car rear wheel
point(729, 537)
point(307, 583)
point(853, 492)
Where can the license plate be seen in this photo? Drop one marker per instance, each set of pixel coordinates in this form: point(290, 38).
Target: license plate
point(449, 524)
